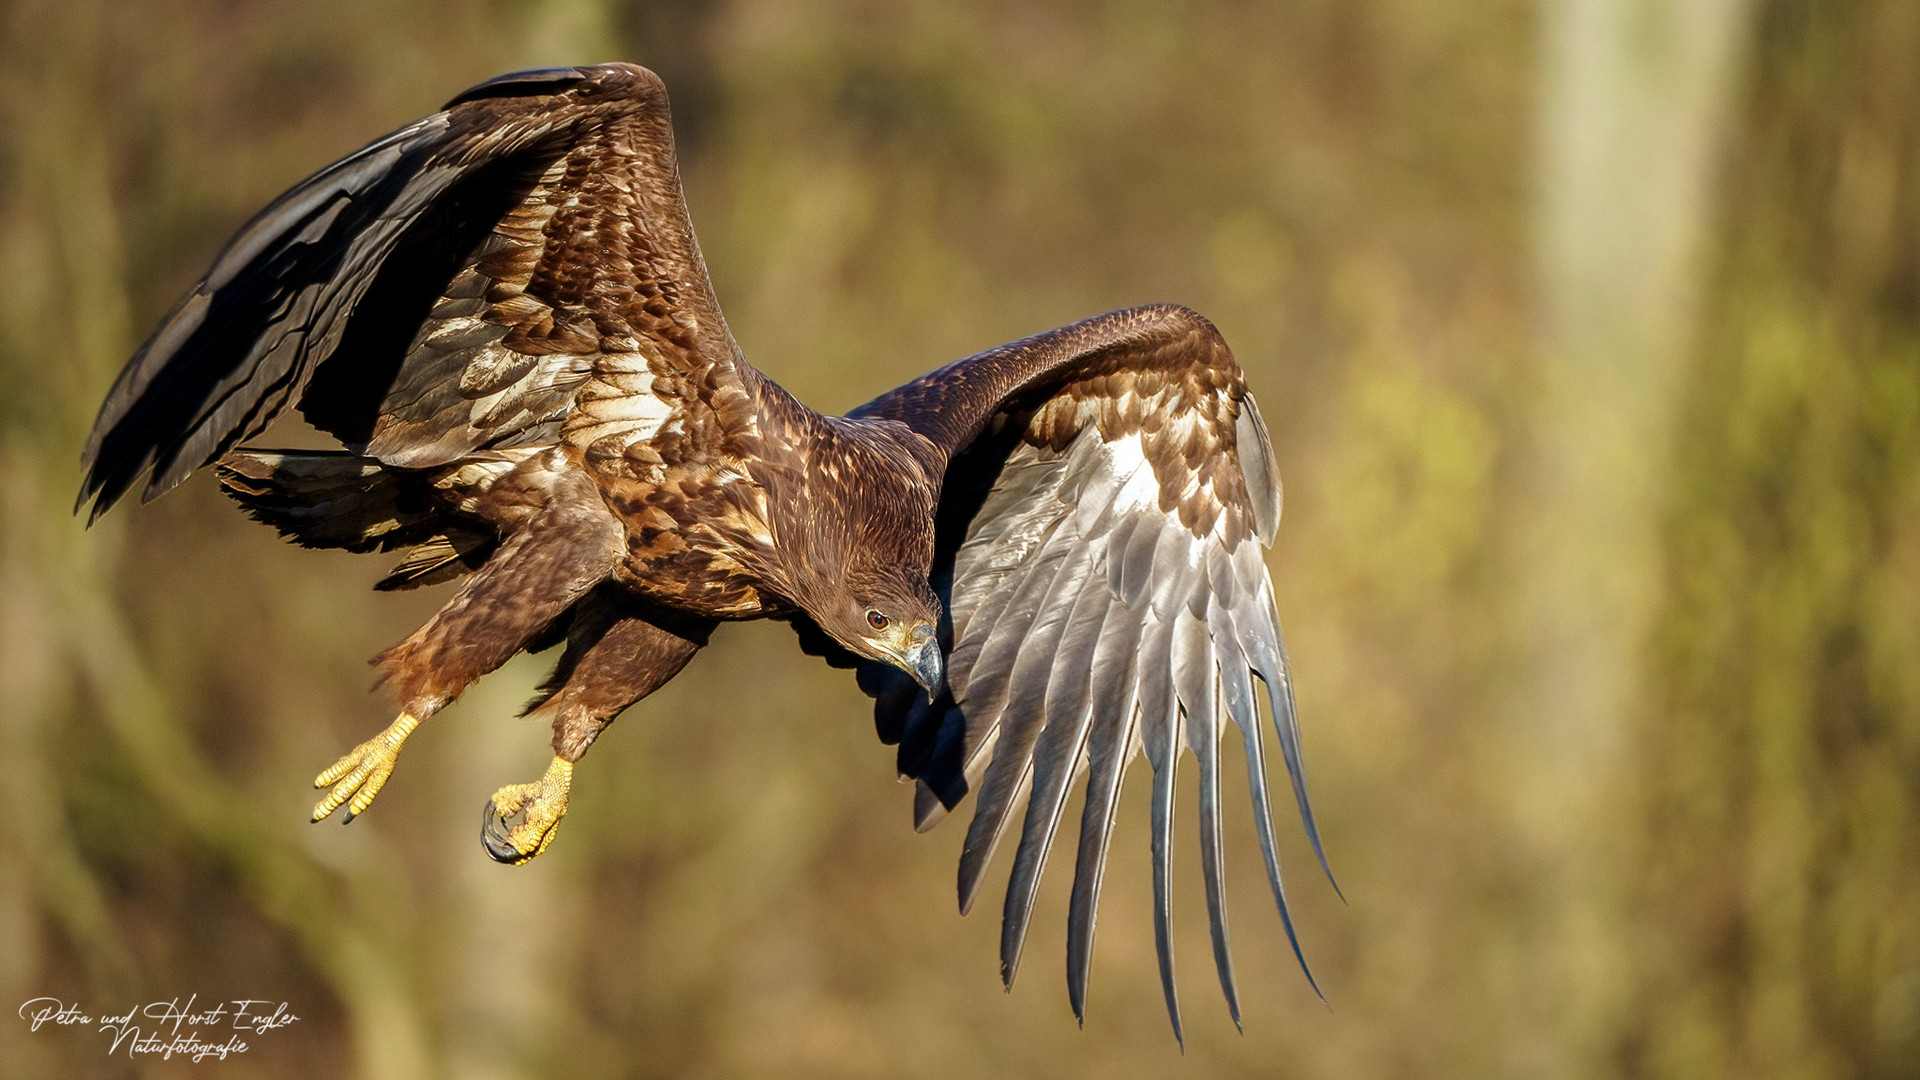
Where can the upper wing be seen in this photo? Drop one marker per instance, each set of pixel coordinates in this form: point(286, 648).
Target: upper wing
point(515, 264)
point(1109, 489)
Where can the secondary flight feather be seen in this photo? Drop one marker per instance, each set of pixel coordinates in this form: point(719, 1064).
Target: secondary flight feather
point(1044, 560)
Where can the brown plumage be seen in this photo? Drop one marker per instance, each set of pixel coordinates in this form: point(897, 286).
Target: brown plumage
point(1043, 559)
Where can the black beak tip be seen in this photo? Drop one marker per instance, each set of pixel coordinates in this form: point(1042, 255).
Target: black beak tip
point(926, 666)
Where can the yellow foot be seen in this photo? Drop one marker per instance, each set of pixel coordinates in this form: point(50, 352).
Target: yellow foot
point(358, 777)
point(542, 804)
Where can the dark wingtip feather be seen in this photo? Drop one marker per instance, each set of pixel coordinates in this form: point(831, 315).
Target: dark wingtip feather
point(1196, 674)
point(1287, 726)
point(1069, 720)
point(1096, 821)
point(1162, 891)
point(984, 833)
point(982, 837)
point(214, 372)
point(107, 480)
point(99, 505)
point(1109, 754)
point(1270, 664)
point(1263, 824)
point(1286, 920)
point(1213, 872)
point(928, 810)
point(88, 489)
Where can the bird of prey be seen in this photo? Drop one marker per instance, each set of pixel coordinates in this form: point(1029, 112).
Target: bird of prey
point(1043, 560)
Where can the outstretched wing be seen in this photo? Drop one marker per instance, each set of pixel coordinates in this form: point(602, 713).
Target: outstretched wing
point(514, 269)
point(1109, 489)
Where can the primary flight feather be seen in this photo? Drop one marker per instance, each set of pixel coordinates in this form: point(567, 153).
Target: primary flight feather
point(1044, 560)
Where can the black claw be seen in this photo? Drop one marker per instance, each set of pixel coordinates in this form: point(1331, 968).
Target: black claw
point(493, 836)
point(347, 817)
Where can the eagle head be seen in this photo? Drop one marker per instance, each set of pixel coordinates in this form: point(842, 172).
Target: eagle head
point(890, 617)
point(865, 576)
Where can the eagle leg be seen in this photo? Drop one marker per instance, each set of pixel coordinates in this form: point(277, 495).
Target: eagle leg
point(539, 805)
point(545, 567)
point(568, 547)
point(619, 650)
point(360, 774)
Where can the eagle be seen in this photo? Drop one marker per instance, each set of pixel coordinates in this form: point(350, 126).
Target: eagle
point(1042, 560)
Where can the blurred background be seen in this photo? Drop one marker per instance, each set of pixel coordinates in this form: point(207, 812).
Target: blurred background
point(1589, 333)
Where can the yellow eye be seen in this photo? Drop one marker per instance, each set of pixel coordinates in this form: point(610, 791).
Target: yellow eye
point(876, 620)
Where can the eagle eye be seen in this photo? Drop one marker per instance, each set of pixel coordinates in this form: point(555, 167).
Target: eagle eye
point(876, 620)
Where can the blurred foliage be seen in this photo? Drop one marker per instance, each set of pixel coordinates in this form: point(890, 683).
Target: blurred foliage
point(1346, 189)
point(1779, 791)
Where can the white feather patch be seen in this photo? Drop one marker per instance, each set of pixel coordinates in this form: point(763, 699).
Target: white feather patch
point(1135, 485)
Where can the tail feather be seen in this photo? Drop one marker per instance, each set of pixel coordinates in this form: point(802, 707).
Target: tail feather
point(329, 498)
point(443, 558)
point(336, 499)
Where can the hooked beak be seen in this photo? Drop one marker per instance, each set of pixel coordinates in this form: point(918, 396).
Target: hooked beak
point(923, 660)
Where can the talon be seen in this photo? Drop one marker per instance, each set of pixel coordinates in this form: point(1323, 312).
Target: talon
point(540, 806)
point(359, 775)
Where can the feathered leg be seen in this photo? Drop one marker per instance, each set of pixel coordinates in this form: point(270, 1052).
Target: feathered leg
point(565, 548)
point(618, 652)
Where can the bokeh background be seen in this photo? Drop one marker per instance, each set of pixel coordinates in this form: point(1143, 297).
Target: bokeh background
point(1589, 332)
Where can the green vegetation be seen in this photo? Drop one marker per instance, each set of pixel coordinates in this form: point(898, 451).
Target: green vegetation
point(1601, 563)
